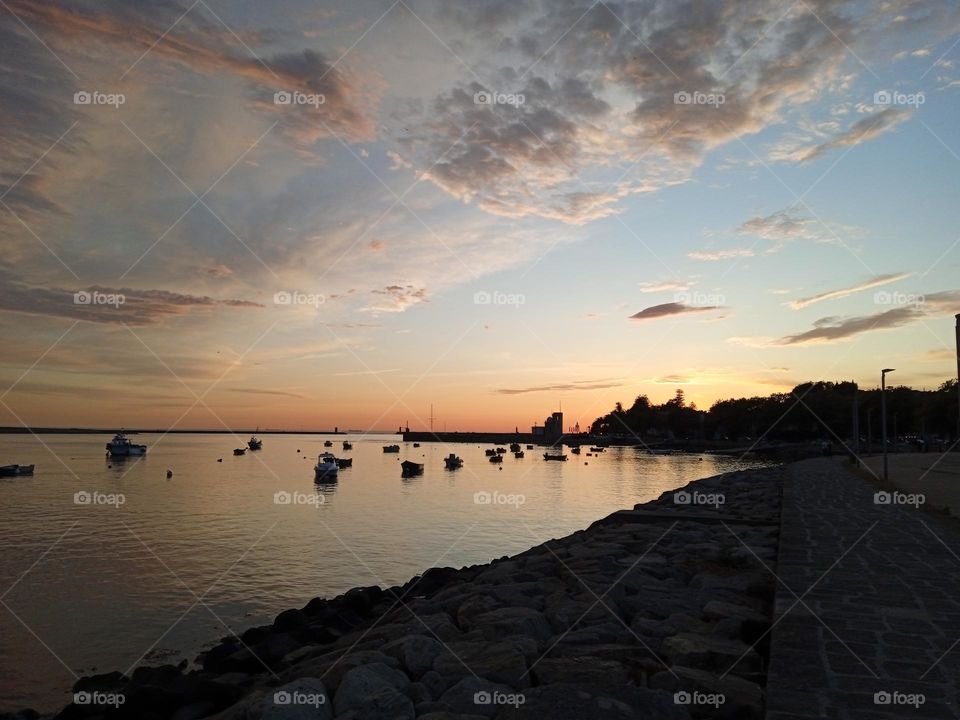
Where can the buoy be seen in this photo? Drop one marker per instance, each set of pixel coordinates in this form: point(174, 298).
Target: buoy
point(219, 459)
point(169, 474)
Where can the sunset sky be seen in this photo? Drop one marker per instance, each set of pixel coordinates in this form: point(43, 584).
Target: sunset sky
point(729, 197)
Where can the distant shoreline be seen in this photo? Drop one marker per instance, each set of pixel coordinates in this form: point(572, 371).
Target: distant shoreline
point(135, 431)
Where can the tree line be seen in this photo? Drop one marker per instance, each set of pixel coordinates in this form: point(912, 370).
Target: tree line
point(811, 411)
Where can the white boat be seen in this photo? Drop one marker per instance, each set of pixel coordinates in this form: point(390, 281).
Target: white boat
point(326, 467)
point(121, 446)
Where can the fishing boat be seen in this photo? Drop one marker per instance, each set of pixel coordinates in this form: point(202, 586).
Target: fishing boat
point(496, 458)
point(597, 449)
point(121, 446)
point(254, 443)
point(344, 462)
point(16, 470)
point(514, 447)
point(408, 468)
point(490, 453)
point(391, 448)
point(518, 454)
point(416, 444)
point(554, 456)
point(575, 450)
point(347, 446)
point(327, 443)
point(326, 468)
point(239, 451)
point(453, 462)
point(501, 451)
point(529, 447)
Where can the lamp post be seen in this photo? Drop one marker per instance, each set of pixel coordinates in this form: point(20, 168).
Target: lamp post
point(883, 417)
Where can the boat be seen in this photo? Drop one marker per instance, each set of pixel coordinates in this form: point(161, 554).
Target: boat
point(347, 446)
point(529, 447)
point(411, 468)
point(239, 451)
point(489, 453)
point(326, 468)
point(453, 462)
point(496, 458)
point(254, 443)
point(501, 451)
point(169, 474)
point(344, 463)
point(597, 449)
point(518, 454)
point(416, 444)
point(514, 447)
point(554, 456)
point(121, 446)
point(575, 450)
point(391, 448)
point(16, 470)
point(328, 443)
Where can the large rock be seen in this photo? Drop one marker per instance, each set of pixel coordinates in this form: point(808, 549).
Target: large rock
point(416, 653)
point(374, 692)
point(498, 661)
point(709, 652)
point(473, 695)
point(593, 672)
point(512, 621)
point(302, 699)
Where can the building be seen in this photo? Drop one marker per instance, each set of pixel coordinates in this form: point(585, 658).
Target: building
point(551, 430)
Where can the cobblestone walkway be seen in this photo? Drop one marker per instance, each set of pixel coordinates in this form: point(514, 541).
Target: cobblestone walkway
point(867, 617)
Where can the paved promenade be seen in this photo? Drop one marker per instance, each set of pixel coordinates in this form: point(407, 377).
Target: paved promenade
point(867, 614)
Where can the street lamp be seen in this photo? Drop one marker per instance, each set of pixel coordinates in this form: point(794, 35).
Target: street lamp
point(883, 416)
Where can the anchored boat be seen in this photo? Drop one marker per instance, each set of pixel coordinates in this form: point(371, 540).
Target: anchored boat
point(326, 468)
point(391, 448)
point(16, 470)
point(453, 462)
point(411, 468)
point(121, 446)
point(254, 443)
point(554, 456)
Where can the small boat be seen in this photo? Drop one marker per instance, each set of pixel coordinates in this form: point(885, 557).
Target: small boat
point(239, 451)
point(597, 449)
point(16, 470)
point(391, 448)
point(575, 450)
point(254, 443)
point(514, 447)
point(344, 462)
point(496, 458)
point(453, 462)
point(411, 468)
point(489, 453)
point(328, 443)
point(518, 454)
point(416, 444)
point(554, 456)
point(326, 468)
point(529, 447)
point(501, 451)
point(169, 474)
point(347, 446)
point(121, 446)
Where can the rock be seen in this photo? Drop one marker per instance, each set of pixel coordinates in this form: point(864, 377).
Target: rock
point(582, 670)
point(568, 701)
point(512, 621)
point(334, 665)
point(435, 683)
point(374, 691)
point(747, 583)
point(499, 661)
point(473, 606)
point(469, 696)
point(709, 652)
point(418, 693)
point(416, 653)
point(303, 699)
point(290, 620)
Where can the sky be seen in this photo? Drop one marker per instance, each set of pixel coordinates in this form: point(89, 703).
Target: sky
point(314, 214)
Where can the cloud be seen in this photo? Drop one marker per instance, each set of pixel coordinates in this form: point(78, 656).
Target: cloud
point(255, 391)
point(564, 387)
point(399, 297)
point(830, 329)
point(865, 129)
point(849, 290)
point(782, 226)
point(664, 286)
point(714, 255)
point(668, 309)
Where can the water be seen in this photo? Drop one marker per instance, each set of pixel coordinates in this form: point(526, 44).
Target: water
point(181, 562)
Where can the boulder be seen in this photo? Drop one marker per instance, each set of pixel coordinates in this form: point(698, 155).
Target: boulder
point(416, 653)
point(498, 661)
point(374, 692)
point(473, 696)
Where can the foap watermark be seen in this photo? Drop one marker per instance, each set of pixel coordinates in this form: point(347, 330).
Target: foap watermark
point(898, 498)
point(95, 97)
point(97, 697)
point(700, 299)
point(887, 97)
point(684, 97)
point(497, 697)
point(483, 297)
point(296, 297)
point(696, 497)
point(83, 497)
point(684, 697)
point(95, 297)
point(299, 698)
point(485, 97)
point(283, 497)
point(498, 498)
point(886, 297)
point(295, 97)
point(895, 697)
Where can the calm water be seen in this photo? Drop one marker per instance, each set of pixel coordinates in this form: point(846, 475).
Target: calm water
point(100, 587)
